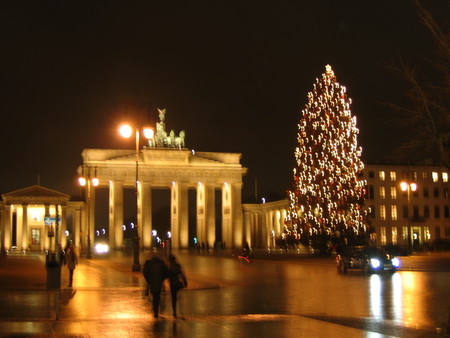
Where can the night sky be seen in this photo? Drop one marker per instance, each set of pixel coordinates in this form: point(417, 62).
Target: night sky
point(233, 74)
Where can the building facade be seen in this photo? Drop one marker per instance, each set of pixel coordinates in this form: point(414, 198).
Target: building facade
point(415, 216)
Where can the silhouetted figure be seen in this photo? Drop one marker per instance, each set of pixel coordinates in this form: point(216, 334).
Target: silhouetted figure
point(71, 259)
point(177, 281)
point(155, 271)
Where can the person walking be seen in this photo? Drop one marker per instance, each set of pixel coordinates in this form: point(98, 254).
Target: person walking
point(155, 272)
point(71, 259)
point(177, 280)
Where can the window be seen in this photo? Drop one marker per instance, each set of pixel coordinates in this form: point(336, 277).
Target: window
point(394, 212)
point(435, 176)
point(393, 176)
point(405, 211)
point(426, 192)
point(382, 193)
point(436, 211)
point(424, 175)
point(405, 233)
point(382, 175)
point(383, 235)
point(372, 211)
point(447, 231)
point(383, 212)
point(445, 177)
point(437, 231)
point(446, 211)
point(415, 211)
point(414, 175)
point(446, 192)
point(436, 192)
point(371, 174)
point(393, 193)
point(371, 192)
point(394, 235)
point(426, 211)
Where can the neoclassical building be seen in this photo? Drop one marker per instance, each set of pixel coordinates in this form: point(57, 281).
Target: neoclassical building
point(35, 218)
point(176, 169)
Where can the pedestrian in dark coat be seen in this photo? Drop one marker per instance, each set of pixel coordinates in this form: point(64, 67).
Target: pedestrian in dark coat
point(177, 281)
point(71, 261)
point(155, 271)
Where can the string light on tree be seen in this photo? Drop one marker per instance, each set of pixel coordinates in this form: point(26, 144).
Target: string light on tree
point(327, 195)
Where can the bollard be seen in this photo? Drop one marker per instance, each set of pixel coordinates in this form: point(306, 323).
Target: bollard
point(54, 280)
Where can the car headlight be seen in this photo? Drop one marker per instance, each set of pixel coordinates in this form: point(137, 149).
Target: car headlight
point(395, 262)
point(101, 248)
point(375, 263)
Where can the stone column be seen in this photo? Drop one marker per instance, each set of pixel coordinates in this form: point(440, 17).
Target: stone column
point(236, 214)
point(201, 222)
point(145, 207)
point(24, 241)
point(210, 215)
point(6, 228)
point(115, 214)
point(180, 219)
point(76, 228)
point(206, 219)
point(227, 236)
point(63, 227)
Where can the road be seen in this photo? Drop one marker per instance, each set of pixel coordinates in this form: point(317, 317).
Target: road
point(280, 295)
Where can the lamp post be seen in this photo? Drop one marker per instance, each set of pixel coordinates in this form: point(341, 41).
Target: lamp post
point(126, 131)
point(408, 187)
point(88, 181)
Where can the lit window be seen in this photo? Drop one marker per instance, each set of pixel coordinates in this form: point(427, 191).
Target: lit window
point(382, 193)
point(405, 233)
point(381, 175)
point(393, 176)
point(394, 235)
point(445, 177)
point(383, 212)
point(424, 175)
point(435, 176)
point(393, 193)
point(383, 235)
point(394, 212)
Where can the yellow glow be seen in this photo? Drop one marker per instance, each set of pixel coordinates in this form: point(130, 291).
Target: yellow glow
point(413, 186)
point(82, 181)
point(95, 181)
point(404, 186)
point(125, 130)
point(148, 133)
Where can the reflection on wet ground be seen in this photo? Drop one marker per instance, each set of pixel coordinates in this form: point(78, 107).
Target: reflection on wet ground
point(226, 297)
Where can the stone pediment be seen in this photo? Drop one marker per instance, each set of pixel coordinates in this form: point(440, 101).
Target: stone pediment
point(35, 194)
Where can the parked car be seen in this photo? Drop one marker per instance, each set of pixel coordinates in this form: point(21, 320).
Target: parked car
point(368, 259)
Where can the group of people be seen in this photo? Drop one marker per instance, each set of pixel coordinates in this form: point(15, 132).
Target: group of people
point(156, 270)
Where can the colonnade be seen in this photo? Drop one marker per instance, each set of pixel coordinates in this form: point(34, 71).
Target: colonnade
point(178, 170)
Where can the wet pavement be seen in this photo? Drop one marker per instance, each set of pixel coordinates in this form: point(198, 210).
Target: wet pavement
point(225, 298)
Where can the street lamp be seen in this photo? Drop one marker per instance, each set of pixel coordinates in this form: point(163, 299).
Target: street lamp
point(88, 181)
point(408, 187)
point(126, 131)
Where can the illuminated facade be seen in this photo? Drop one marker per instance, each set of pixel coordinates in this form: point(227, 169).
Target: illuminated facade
point(422, 215)
point(28, 219)
point(178, 170)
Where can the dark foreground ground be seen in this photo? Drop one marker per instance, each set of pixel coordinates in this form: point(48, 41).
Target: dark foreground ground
point(107, 299)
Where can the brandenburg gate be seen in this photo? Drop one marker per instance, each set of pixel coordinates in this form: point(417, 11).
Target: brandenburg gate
point(165, 163)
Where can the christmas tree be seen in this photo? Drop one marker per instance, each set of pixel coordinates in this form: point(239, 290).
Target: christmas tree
point(325, 205)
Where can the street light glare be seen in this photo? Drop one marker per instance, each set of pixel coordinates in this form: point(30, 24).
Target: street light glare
point(413, 186)
point(404, 186)
point(125, 130)
point(95, 182)
point(148, 133)
point(82, 181)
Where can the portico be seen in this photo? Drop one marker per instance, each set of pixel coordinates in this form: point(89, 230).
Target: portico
point(179, 170)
